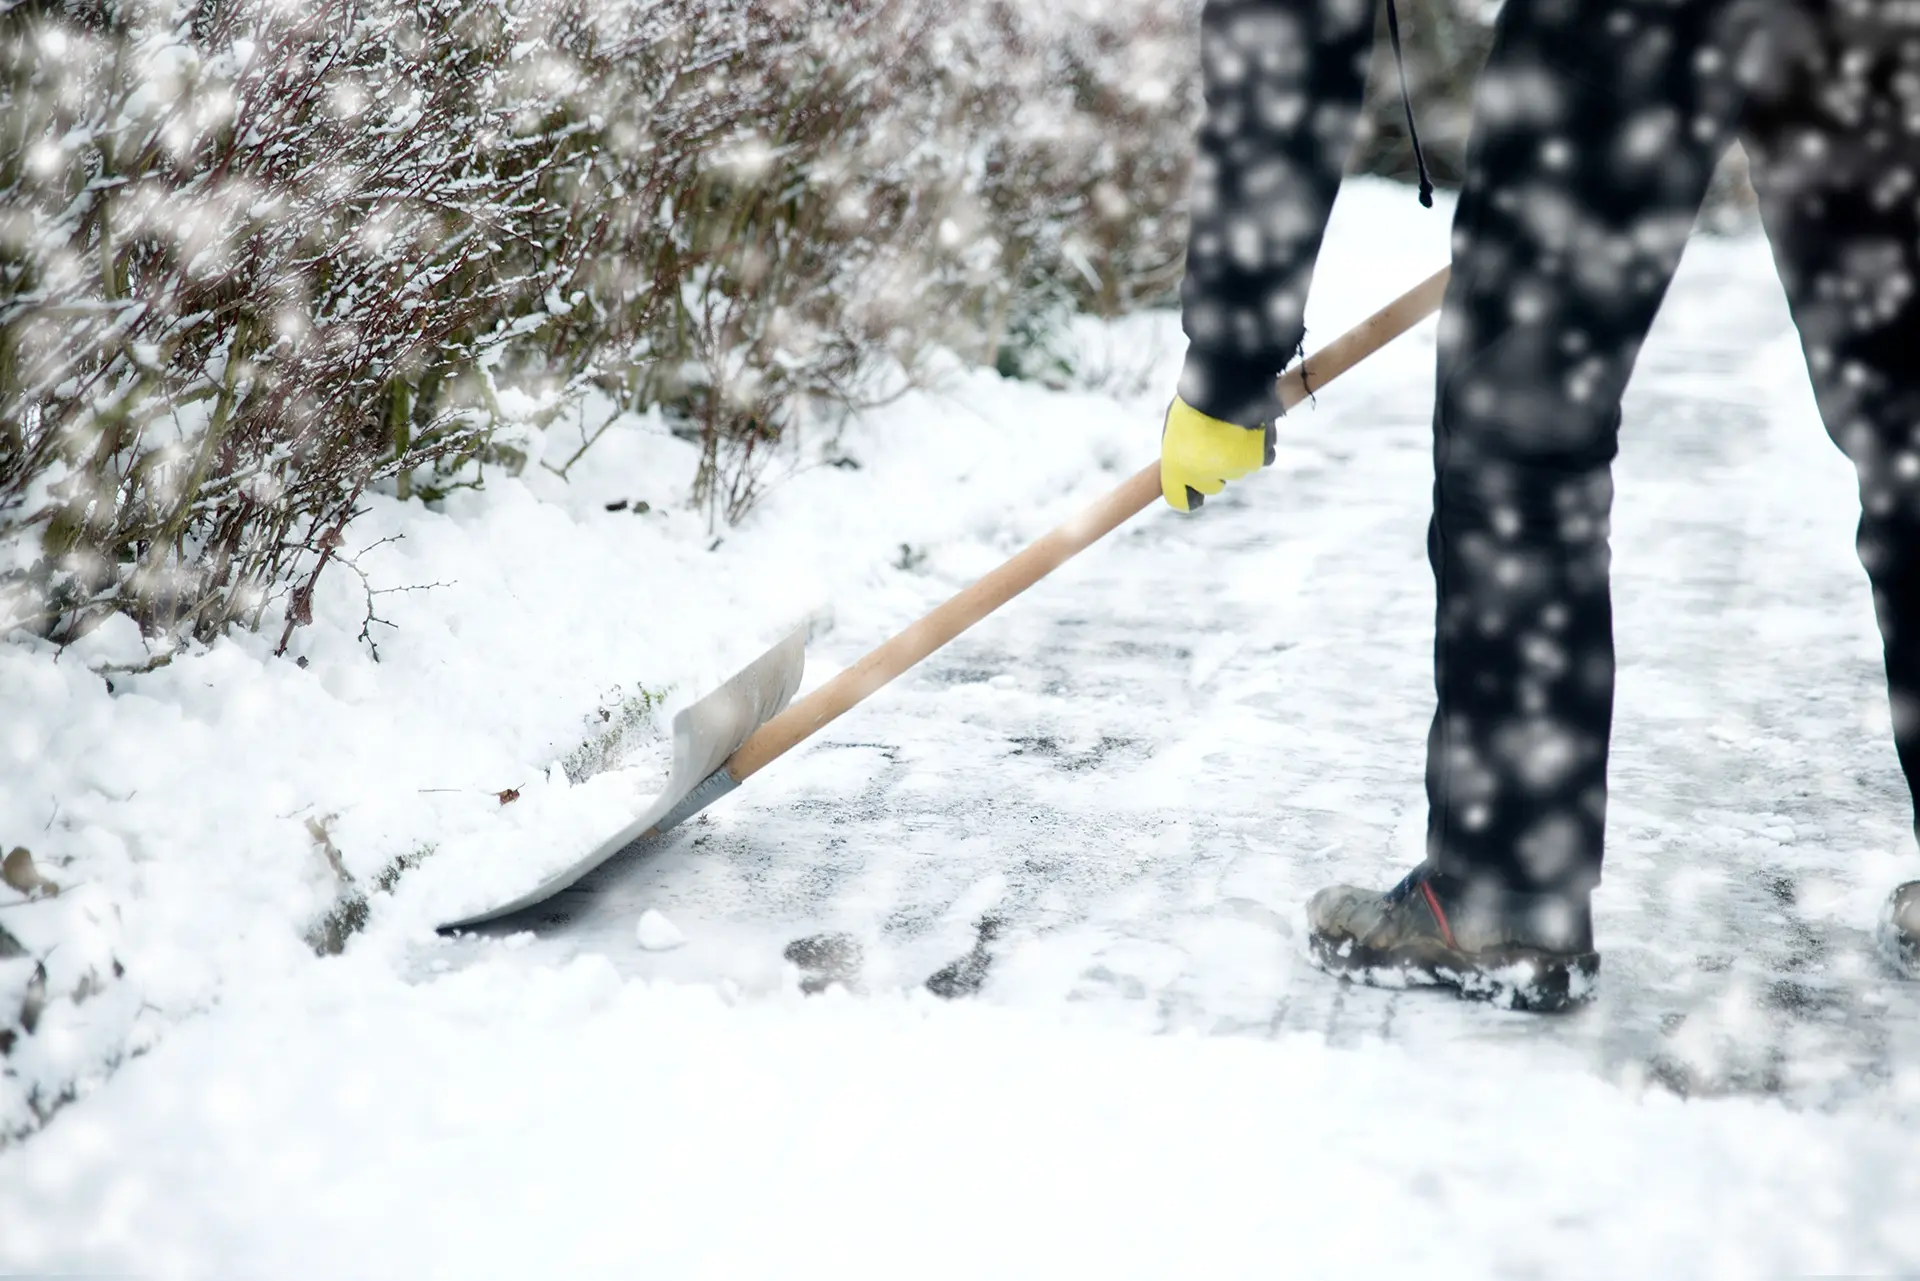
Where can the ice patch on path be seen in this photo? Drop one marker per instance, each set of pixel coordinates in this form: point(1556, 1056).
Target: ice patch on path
point(513, 1121)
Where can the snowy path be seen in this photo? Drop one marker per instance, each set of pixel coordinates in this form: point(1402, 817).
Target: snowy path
point(1145, 767)
point(1142, 770)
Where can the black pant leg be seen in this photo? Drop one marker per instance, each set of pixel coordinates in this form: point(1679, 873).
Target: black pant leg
point(1834, 133)
point(1596, 129)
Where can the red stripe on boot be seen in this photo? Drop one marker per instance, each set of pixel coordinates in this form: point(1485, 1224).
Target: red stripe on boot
point(1439, 917)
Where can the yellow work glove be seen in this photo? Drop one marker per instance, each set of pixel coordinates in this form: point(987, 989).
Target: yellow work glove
point(1199, 455)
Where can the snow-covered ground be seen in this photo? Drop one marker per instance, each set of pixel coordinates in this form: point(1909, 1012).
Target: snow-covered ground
point(1140, 770)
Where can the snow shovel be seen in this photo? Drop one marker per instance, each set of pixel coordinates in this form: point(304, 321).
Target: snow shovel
point(740, 728)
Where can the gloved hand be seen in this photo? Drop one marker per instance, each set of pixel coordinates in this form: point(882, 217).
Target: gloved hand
point(1199, 455)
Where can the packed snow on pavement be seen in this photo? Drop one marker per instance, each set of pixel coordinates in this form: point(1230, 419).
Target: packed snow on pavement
point(1133, 777)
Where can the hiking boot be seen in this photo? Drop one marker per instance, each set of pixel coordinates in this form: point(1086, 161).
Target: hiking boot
point(1524, 951)
point(1901, 928)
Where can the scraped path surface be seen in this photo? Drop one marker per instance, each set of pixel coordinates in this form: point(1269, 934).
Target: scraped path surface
point(1142, 770)
point(1139, 772)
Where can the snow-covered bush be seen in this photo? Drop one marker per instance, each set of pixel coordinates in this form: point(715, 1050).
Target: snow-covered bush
point(1084, 112)
point(256, 256)
point(234, 234)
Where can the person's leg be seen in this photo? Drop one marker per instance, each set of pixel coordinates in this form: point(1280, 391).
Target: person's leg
point(1596, 129)
point(1834, 133)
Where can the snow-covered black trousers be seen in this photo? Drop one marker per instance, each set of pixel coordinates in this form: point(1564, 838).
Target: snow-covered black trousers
point(1596, 129)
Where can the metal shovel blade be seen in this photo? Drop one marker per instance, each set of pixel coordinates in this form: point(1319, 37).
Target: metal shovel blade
point(704, 736)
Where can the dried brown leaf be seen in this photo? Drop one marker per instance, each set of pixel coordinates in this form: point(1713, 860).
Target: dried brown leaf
point(321, 830)
point(20, 874)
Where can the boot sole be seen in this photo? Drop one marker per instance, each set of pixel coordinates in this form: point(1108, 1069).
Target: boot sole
point(1516, 978)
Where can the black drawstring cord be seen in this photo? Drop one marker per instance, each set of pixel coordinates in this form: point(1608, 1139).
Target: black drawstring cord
point(1406, 100)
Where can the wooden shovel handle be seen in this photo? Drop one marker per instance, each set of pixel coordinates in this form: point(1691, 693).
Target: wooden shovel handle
point(1041, 558)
